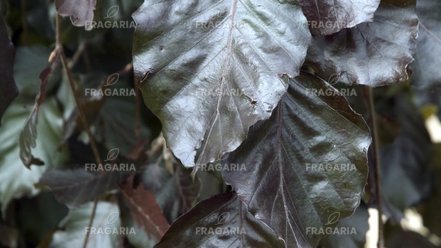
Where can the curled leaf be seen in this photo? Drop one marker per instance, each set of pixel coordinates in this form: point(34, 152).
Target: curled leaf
point(29, 134)
point(79, 11)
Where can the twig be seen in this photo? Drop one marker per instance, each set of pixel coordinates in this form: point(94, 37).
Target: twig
point(77, 55)
point(377, 168)
point(73, 86)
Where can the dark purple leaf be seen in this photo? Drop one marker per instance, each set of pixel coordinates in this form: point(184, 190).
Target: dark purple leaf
point(80, 11)
point(373, 54)
point(356, 224)
point(221, 221)
point(209, 69)
point(145, 210)
point(306, 166)
point(427, 64)
point(330, 16)
point(407, 159)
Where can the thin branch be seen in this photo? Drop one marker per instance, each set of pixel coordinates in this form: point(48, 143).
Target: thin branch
point(377, 168)
point(77, 55)
point(73, 86)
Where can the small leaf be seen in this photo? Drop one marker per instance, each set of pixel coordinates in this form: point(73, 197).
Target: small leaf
point(79, 11)
point(145, 210)
point(29, 134)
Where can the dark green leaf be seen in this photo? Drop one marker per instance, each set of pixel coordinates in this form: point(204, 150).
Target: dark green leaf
point(210, 69)
point(75, 225)
point(306, 166)
point(16, 180)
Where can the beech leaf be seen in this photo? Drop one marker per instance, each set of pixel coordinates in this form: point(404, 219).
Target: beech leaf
point(330, 16)
point(79, 11)
point(145, 210)
point(373, 54)
point(220, 221)
point(103, 231)
point(427, 64)
point(211, 69)
point(306, 166)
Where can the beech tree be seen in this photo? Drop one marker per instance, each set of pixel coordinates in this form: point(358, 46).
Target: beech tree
point(220, 123)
